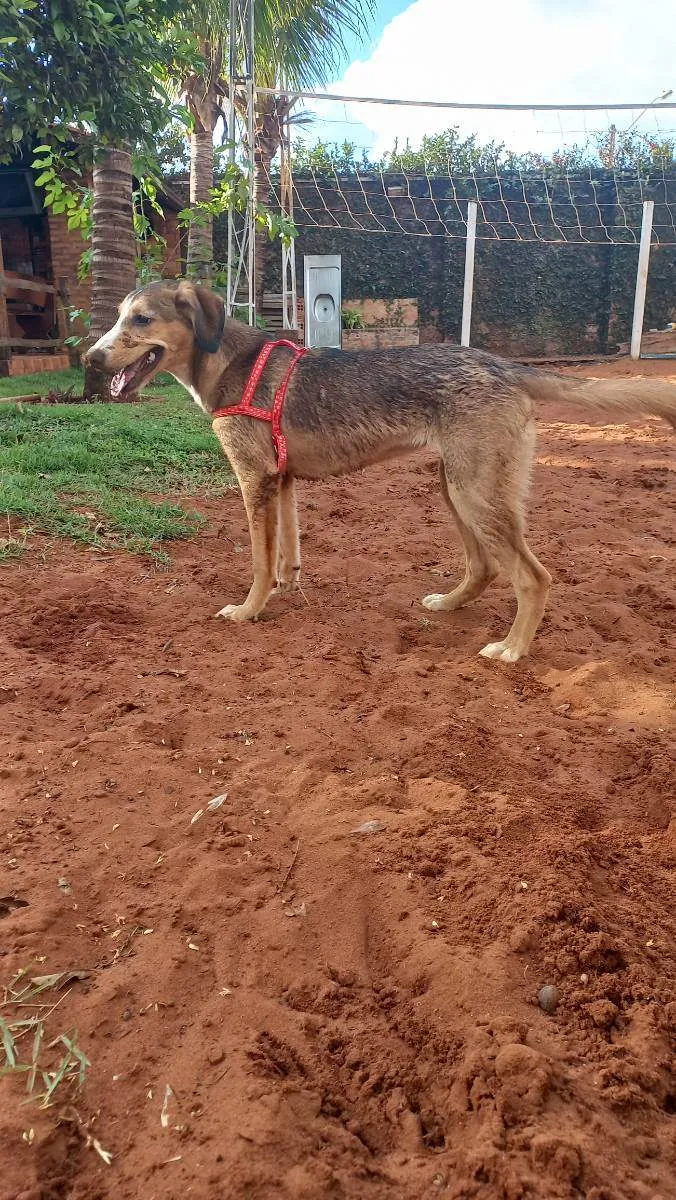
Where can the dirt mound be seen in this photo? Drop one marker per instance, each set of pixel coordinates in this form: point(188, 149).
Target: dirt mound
point(327, 986)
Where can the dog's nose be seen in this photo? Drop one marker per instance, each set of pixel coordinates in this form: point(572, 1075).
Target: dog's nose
point(95, 356)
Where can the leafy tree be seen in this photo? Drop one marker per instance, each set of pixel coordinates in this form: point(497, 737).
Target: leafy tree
point(93, 64)
point(448, 153)
point(90, 71)
point(172, 154)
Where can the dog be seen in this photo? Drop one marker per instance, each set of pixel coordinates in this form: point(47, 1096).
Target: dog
point(346, 410)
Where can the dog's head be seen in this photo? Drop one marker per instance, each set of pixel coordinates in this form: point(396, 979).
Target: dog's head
point(159, 327)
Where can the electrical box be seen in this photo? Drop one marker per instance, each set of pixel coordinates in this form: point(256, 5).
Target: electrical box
point(322, 301)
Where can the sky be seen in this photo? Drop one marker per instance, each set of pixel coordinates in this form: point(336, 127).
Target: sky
point(505, 51)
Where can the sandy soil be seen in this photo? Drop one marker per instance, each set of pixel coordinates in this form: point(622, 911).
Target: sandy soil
point(345, 1013)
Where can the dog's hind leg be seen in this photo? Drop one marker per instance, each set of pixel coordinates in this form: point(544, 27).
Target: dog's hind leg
point(288, 568)
point(261, 500)
point(498, 520)
point(531, 583)
point(488, 474)
point(480, 566)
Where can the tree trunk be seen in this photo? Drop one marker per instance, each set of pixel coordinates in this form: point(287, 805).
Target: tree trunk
point(203, 104)
point(262, 165)
point(113, 251)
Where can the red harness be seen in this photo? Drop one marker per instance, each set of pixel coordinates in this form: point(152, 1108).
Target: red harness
point(245, 407)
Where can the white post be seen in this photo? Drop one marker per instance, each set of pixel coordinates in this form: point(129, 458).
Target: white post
point(469, 273)
point(642, 277)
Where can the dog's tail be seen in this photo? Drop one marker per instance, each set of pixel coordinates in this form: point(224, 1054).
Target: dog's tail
point(617, 397)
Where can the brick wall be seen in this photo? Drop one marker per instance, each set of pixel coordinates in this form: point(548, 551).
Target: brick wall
point(66, 249)
point(27, 364)
point(379, 339)
point(168, 228)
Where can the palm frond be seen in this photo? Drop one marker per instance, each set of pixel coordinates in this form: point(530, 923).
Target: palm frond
point(299, 41)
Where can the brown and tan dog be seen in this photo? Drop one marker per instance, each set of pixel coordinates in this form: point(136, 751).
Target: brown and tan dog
point(347, 410)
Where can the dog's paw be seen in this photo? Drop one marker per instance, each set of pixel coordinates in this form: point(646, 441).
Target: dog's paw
point(500, 651)
point(288, 578)
point(286, 585)
point(437, 602)
point(235, 612)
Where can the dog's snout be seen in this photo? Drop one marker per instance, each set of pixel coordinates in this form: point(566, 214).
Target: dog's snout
point(96, 356)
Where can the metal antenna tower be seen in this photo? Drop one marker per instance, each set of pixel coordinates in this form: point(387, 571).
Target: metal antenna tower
point(241, 291)
point(241, 277)
point(289, 288)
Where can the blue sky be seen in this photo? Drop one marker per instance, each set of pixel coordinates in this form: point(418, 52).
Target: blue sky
point(505, 51)
point(386, 11)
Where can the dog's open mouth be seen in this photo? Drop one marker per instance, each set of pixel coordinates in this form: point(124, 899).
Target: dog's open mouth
point(137, 373)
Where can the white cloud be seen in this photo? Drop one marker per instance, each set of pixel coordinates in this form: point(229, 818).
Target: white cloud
point(511, 51)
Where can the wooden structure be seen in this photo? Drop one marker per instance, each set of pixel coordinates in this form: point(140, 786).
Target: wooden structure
point(24, 301)
point(39, 283)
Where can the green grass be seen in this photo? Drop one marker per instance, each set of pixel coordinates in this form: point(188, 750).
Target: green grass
point(26, 1050)
point(88, 472)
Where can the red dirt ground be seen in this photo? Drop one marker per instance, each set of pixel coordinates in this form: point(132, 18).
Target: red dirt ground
point(345, 1014)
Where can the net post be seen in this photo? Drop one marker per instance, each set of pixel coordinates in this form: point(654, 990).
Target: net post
point(468, 292)
point(642, 278)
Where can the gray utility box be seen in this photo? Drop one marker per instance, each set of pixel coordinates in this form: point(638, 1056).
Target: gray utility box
point(322, 300)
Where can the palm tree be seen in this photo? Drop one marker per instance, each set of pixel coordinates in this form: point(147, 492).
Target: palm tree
point(299, 41)
point(113, 261)
point(204, 94)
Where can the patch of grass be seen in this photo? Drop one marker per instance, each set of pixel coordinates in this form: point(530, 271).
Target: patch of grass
point(88, 472)
point(11, 545)
point(49, 1064)
point(41, 383)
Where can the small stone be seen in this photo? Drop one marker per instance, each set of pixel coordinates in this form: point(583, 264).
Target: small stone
point(216, 1056)
point(548, 998)
point(369, 827)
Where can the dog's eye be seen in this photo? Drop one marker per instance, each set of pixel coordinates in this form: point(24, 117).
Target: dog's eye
point(139, 319)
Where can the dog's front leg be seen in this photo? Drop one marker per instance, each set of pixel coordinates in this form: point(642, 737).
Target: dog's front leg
point(261, 500)
point(288, 568)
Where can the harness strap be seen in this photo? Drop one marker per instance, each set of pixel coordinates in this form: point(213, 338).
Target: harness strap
point(274, 416)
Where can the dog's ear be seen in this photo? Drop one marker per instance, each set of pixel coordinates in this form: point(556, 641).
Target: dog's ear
point(204, 311)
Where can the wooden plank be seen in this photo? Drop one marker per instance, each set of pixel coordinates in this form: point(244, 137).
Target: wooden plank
point(25, 285)
point(32, 343)
point(62, 322)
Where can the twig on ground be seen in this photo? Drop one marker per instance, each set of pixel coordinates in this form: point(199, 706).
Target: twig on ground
point(280, 887)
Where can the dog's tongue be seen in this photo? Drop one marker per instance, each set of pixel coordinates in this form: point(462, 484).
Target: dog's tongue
point(124, 377)
point(119, 381)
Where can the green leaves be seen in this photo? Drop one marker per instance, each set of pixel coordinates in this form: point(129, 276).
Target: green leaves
point(56, 168)
point(98, 65)
point(448, 153)
point(232, 195)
